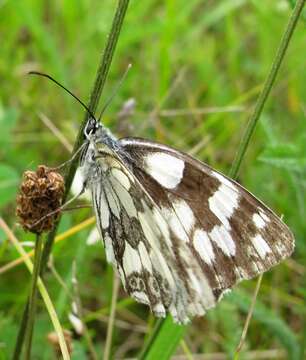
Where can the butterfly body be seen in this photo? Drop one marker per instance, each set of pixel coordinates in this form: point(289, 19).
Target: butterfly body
point(179, 233)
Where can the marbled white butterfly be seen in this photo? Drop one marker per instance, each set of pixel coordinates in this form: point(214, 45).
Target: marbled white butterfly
point(179, 233)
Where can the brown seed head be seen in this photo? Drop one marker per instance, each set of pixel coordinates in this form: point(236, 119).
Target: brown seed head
point(41, 193)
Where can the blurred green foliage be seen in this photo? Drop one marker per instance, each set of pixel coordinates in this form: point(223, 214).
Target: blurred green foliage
point(195, 56)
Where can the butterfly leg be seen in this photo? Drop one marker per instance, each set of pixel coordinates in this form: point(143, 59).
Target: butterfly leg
point(57, 168)
point(61, 208)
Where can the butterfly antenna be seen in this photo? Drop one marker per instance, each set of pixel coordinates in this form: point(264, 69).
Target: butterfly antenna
point(63, 87)
point(109, 100)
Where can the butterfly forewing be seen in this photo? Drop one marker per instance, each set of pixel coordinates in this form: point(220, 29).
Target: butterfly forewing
point(180, 233)
point(231, 233)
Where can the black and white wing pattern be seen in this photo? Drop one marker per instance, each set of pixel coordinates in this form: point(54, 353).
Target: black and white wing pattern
point(180, 233)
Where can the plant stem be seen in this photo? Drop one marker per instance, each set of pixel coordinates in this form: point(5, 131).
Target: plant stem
point(266, 88)
point(96, 93)
point(21, 332)
point(94, 99)
point(109, 334)
point(33, 297)
point(251, 124)
point(248, 318)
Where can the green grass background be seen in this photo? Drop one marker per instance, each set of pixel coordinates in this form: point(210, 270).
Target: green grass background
point(185, 55)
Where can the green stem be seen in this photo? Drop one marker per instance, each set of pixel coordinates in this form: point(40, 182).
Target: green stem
point(266, 88)
point(111, 320)
point(248, 318)
point(21, 333)
point(94, 100)
point(96, 93)
point(33, 296)
point(252, 122)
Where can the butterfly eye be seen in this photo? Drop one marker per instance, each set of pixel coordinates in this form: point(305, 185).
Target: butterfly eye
point(91, 127)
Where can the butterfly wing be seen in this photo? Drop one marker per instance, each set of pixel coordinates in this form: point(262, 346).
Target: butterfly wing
point(233, 235)
point(180, 233)
point(136, 242)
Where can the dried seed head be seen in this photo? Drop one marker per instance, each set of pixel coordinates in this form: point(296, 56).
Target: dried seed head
point(41, 193)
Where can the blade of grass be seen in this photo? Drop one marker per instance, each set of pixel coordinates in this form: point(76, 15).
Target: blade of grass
point(159, 338)
point(248, 319)
point(43, 291)
point(72, 231)
point(164, 340)
point(267, 87)
point(186, 350)
point(76, 298)
point(110, 325)
point(33, 296)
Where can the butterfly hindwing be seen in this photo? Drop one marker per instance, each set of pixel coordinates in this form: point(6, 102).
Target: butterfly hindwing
point(143, 271)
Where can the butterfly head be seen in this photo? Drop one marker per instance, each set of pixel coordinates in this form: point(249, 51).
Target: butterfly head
point(91, 128)
point(99, 144)
point(96, 133)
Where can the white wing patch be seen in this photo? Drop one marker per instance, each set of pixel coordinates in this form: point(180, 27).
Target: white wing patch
point(100, 204)
point(122, 178)
point(144, 219)
point(264, 216)
point(202, 244)
point(167, 170)
point(223, 203)
point(205, 297)
point(258, 221)
point(141, 297)
point(109, 251)
point(162, 226)
point(175, 224)
point(124, 196)
point(112, 200)
point(262, 248)
point(145, 258)
point(224, 180)
point(184, 213)
point(223, 240)
point(131, 260)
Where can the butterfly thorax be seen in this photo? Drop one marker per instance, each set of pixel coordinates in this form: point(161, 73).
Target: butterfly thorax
point(96, 133)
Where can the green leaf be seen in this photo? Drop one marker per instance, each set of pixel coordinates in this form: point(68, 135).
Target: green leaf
point(164, 341)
